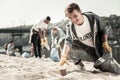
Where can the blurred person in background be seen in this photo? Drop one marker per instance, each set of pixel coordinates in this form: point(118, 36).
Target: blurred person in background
point(38, 36)
point(56, 35)
point(10, 48)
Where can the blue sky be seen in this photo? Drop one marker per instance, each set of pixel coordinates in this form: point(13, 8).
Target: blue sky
point(16, 12)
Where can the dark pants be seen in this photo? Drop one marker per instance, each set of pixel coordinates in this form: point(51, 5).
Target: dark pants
point(37, 50)
point(37, 45)
point(104, 63)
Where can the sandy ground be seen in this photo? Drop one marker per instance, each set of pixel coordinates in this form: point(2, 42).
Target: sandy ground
point(14, 68)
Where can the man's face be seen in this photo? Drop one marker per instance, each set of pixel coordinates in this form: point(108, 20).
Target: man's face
point(13, 43)
point(47, 21)
point(76, 17)
point(55, 32)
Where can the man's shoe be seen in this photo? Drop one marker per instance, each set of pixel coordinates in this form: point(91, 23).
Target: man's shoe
point(80, 68)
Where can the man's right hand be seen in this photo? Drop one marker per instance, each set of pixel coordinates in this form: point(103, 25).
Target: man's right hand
point(63, 60)
point(66, 50)
point(42, 43)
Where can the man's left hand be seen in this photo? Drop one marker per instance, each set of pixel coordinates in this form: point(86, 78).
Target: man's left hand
point(106, 46)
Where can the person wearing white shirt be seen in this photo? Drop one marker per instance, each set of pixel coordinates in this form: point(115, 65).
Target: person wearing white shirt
point(10, 48)
point(41, 38)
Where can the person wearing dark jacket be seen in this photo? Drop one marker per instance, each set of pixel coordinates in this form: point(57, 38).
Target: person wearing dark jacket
point(87, 31)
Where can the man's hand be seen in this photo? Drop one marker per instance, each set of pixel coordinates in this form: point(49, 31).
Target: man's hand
point(63, 60)
point(106, 46)
point(42, 43)
point(66, 50)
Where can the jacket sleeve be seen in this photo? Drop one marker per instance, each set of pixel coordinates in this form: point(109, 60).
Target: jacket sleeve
point(68, 38)
point(101, 25)
point(102, 28)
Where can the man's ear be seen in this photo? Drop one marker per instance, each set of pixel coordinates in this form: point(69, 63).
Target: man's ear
point(80, 11)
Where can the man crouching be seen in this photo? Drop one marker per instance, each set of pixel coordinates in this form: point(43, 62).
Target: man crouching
point(88, 32)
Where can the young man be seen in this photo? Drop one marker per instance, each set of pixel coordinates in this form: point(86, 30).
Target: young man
point(38, 36)
point(42, 27)
point(88, 32)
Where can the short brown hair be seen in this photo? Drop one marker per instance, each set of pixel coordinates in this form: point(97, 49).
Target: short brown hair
point(71, 7)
